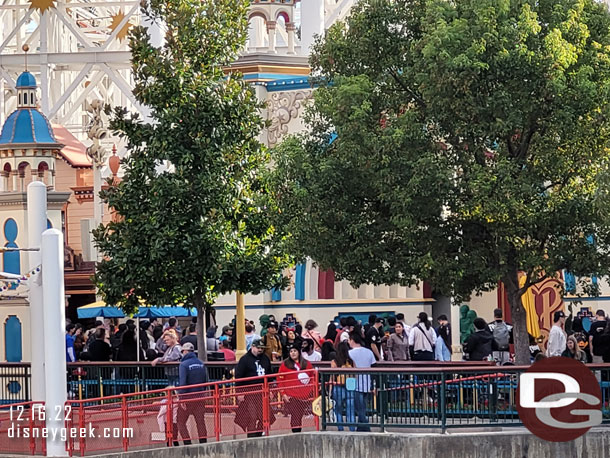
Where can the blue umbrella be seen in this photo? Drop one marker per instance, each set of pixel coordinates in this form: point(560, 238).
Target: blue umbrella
point(99, 309)
point(164, 312)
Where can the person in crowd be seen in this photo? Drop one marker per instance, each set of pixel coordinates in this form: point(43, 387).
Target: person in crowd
point(605, 343)
point(162, 417)
point(369, 324)
point(249, 413)
point(128, 349)
point(99, 349)
point(291, 339)
point(442, 345)
point(597, 328)
point(391, 324)
point(146, 334)
point(331, 332)
point(172, 324)
point(192, 371)
point(157, 331)
point(308, 351)
point(398, 344)
point(272, 342)
point(311, 333)
point(344, 400)
point(79, 340)
point(115, 339)
point(191, 337)
point(172, 354)
point(502, 333)
point(211, 341)
point(92, 338)
point(70, 330)
point(362, 358)
point(557, 337)
point(343, 329)
point(251, 336)
point(296, 386)
point(228, 332)
point(422, 338)
point(573, 350)
point(328, 351)
point(372, 338)
point(400, 318)
point(225, 348)
point(478, 345)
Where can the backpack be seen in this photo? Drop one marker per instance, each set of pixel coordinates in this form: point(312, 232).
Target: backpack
point(501, 336)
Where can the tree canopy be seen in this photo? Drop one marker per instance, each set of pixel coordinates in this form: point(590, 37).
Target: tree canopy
point(194, 211)
point(460, 142)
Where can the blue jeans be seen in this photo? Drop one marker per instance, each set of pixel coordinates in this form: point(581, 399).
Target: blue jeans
point(360, 399)
point(344, 405)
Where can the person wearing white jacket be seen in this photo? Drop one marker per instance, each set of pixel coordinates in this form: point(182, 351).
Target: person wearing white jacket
point(557, 337)
point(422, 337)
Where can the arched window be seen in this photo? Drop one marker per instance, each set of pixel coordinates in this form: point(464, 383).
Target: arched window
point(13, 340)
point(11, 259)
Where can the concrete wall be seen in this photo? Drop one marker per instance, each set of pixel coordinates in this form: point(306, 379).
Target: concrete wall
point(595, 444)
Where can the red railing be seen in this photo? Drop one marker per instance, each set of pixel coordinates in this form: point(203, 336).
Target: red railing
point(216, 411)
point(21, 428)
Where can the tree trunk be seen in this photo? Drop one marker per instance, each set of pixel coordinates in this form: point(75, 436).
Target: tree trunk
point(199, 303)
point(519, 318)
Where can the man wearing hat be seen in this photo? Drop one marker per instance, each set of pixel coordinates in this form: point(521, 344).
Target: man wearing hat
point(557, 337)
point(249, 414)
point(192, 372)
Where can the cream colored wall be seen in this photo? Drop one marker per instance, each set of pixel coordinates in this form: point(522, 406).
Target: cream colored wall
point(484, 305)
point(322, 311)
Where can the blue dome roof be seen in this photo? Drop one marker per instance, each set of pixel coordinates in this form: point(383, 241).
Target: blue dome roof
point(26, 125)
point(26, 79)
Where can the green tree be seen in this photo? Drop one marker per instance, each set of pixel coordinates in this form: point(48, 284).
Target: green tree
point(201, 227)
point(472, 145)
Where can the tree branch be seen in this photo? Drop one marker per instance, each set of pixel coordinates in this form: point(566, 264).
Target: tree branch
point(402, 84)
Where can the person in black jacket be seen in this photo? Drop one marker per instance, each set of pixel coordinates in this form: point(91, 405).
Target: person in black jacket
point(192, 372)
point(249, 414)
point(478, 344)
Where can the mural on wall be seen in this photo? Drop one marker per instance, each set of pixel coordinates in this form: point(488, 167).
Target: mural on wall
point(548, 300)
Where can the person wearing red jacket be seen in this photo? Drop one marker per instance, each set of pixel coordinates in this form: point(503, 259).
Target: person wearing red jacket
point(296, 382)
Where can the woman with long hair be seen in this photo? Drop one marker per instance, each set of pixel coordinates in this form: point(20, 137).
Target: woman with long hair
point(331, 332)
point(344, 401)
point(422, 338)
point(573, 350)
point(296, 385)
point(291, 339)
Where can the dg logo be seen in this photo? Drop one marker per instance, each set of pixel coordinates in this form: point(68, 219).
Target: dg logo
point(559, 399)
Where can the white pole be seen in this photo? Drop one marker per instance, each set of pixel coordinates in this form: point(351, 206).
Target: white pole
point(138, 338)
point(312, 24)
point(54, 336)
point(37, 223)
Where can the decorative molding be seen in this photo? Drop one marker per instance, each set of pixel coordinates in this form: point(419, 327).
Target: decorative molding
point(283, 108)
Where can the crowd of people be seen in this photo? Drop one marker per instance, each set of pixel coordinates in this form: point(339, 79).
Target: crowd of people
point(347, 344)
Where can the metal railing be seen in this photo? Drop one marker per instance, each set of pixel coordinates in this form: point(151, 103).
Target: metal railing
point(220, 411)
point(21, 428)
point(14, 383)
point(441, 398)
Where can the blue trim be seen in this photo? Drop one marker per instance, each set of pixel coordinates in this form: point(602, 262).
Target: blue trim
point(299, 282)
point(275, 305)
point(272, 76)
point(12, 339)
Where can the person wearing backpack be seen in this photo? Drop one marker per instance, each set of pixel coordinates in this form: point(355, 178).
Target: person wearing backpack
point(502, 333)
